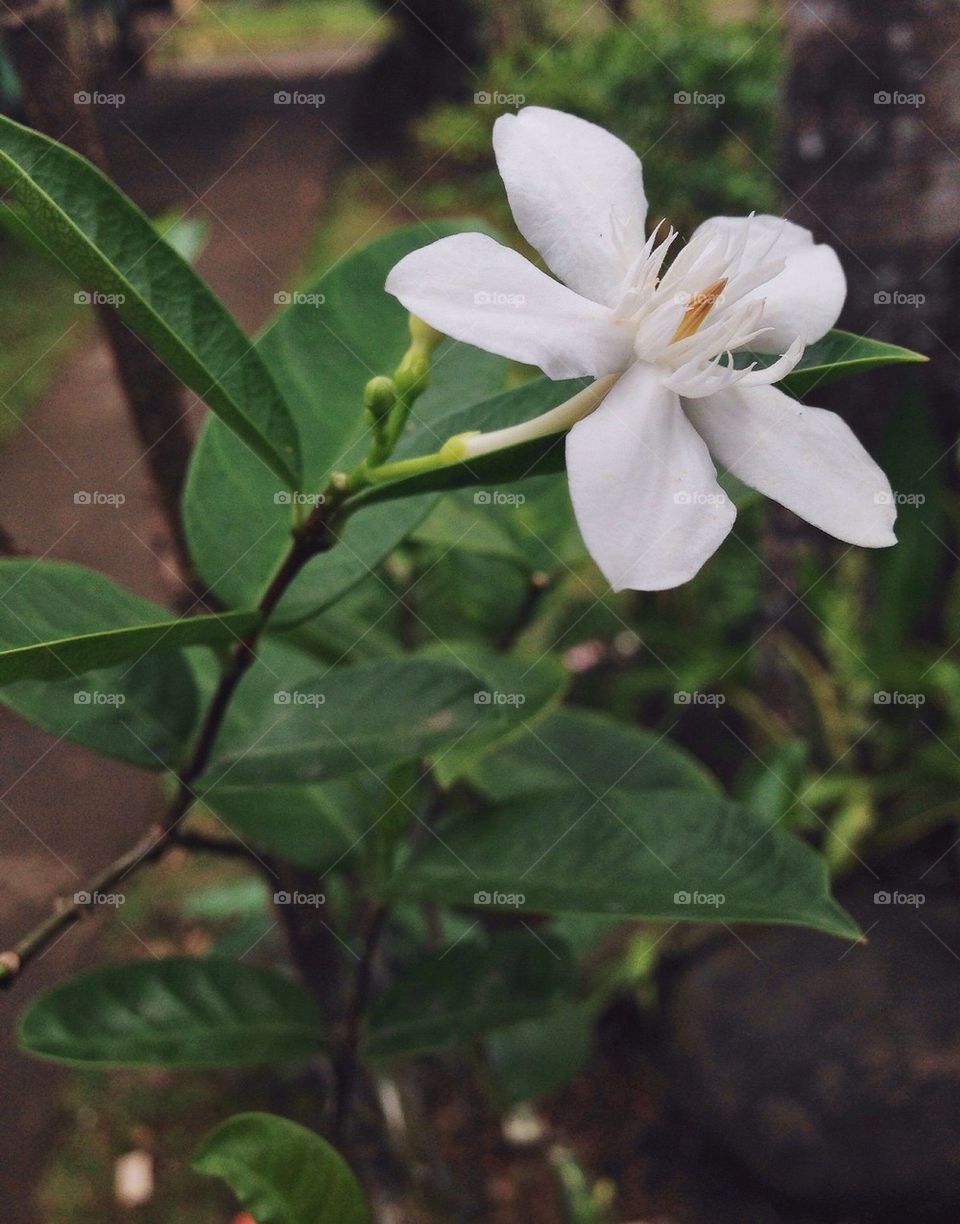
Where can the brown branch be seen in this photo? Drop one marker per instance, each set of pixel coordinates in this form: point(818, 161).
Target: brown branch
point(346, 1060)
point(312, 537)
point(39, 41)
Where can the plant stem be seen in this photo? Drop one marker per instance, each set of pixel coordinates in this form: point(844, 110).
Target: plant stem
point(312, 537)
point(346, 1061)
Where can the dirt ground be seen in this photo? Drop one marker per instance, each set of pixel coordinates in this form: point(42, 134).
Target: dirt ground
point(218, 145)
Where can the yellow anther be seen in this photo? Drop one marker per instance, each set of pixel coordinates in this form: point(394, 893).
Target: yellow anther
point(700, 306)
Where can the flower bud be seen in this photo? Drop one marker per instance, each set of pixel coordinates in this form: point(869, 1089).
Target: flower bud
point(379, 396)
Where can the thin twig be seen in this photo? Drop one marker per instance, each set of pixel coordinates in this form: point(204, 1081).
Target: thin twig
point(346, 1060)
point(313, 537)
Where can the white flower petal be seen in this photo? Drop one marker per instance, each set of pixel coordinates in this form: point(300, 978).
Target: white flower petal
point(644, 488)
point(806, 458)
point(576, 192)
point(806, 298)
point(476, 290)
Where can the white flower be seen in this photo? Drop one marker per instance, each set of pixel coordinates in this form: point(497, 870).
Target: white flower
point(660, 345)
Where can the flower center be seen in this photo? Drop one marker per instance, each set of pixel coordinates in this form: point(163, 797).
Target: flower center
point(699, 307)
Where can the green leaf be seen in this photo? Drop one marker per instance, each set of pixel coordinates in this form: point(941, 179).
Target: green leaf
point(281, 1172)
point(178, 1012)
point(837, 355)
point(579, 749)
point(107, 243)
point(346, 719)
point(141, 710)
point(521, 691)
point(315, 825)
point(322, 351)
point(667, 855)
point(458, 995)
point(59, 620)
point(539, 1056)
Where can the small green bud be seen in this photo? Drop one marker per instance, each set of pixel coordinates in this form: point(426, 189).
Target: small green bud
point(379, 396)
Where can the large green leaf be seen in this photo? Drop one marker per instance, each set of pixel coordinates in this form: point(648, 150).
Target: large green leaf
point(582, 750)
point(322, 351)
point(837, 355)
point(346, 719)
point(473, 987)
point(109, 245)
point(178, 1012)
point(59, 620)
point(314, 825)
point(669, 855)
point(281, 1172)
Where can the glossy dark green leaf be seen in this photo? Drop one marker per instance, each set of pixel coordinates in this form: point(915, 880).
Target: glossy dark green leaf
point(345, 720)
point(838, 355)
point(178, 1012)
point(315, 826)
point(281, 1172)
point(668, 855)
point(58, 621)
point(112, 248)
point(452, 997)
point(583, 750)
point(322, 350)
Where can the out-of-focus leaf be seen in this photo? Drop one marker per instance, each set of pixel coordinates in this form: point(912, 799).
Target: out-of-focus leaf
point(281, 1172)
point(178, 1012)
